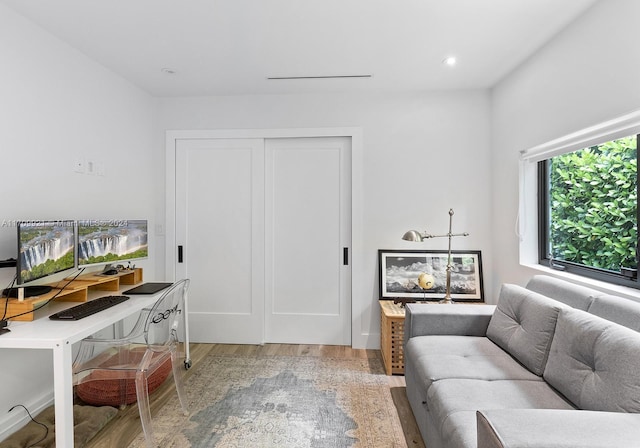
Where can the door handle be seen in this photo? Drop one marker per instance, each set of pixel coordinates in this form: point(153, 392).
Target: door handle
point(179, 254)
point(345, 256)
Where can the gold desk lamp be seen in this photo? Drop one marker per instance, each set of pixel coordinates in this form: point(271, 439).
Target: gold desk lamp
point(414, 235)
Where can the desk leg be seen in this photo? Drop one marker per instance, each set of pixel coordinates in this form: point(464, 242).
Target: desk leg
point(187, 352)
point(63, 394)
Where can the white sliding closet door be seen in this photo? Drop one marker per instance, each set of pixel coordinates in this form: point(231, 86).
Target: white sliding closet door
point(308, 236)
point(265, 231)
point(220, 226)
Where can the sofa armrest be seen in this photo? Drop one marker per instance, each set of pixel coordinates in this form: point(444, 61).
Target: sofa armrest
point(423, 319)
point(555, 428)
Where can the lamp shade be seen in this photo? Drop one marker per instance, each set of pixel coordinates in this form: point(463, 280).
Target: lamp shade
point(412, 235)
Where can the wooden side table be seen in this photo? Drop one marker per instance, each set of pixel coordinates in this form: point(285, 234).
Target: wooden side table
point(392, 336)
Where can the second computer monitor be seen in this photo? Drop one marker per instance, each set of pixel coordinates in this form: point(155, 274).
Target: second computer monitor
point(109, 242)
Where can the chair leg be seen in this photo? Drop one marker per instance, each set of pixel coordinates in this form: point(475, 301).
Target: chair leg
point(177, 378)
point(142, 393)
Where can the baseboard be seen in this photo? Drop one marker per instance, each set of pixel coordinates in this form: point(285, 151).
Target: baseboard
point(11, 422)
point(369, 341)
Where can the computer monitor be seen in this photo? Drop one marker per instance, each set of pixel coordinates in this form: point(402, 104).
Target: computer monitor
point(45, 248)
point(109, 242)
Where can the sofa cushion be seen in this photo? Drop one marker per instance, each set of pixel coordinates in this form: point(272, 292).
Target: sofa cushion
point(523, 325)
point(617, 309)
point(576, 296)
point(595, 363)
point(442, 357)
point(453, 402)
point(458, 430)
point(522, 428)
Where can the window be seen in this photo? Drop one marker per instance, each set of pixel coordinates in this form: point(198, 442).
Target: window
point(588, 211)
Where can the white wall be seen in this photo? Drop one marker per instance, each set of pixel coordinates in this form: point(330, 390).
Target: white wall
point(423, 154)
point(588, 74)
point(56, 106)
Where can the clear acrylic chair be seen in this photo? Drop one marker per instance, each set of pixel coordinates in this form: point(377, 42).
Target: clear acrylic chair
point(118, 372)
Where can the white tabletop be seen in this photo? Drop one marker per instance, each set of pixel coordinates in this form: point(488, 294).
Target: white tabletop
point(43, 332)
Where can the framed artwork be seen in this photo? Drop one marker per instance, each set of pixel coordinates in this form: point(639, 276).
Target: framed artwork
point(400, 270)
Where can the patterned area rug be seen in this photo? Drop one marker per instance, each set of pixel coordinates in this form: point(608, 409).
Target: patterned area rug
point(247, 401)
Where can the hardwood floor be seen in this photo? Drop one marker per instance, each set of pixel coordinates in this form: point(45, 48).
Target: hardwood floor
point(126, 425)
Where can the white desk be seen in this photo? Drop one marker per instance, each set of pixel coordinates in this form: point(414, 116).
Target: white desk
point(59, 336)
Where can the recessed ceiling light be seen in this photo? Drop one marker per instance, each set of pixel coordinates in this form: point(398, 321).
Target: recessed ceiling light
point(449, 61)
point(168, 71)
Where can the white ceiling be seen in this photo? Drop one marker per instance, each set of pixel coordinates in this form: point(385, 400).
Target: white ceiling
point(226, 47)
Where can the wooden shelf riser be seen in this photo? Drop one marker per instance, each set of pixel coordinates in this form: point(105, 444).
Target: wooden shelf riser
point(75, 291)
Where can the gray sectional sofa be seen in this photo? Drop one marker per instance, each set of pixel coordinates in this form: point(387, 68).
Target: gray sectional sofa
point(551, 365)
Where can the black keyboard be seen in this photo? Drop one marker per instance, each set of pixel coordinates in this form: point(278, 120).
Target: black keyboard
point(85, 309)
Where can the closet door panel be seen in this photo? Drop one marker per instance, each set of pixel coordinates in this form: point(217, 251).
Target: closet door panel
point(307, 228)
point(220, 224)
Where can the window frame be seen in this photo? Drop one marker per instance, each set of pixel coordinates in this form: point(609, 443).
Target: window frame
point(617, 278)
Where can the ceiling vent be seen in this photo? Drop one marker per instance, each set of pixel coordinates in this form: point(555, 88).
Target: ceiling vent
point(271, 78)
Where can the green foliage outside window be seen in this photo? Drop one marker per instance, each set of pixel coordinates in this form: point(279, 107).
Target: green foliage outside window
point(593, 205)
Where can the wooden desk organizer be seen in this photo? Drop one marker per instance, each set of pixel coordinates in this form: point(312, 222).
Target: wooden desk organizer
point(76, 291)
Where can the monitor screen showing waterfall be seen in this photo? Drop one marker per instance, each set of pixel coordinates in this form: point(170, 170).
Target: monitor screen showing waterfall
point(107, 242)
point(45, 248)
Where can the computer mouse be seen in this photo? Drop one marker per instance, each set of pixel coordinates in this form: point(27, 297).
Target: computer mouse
point(110, 272)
